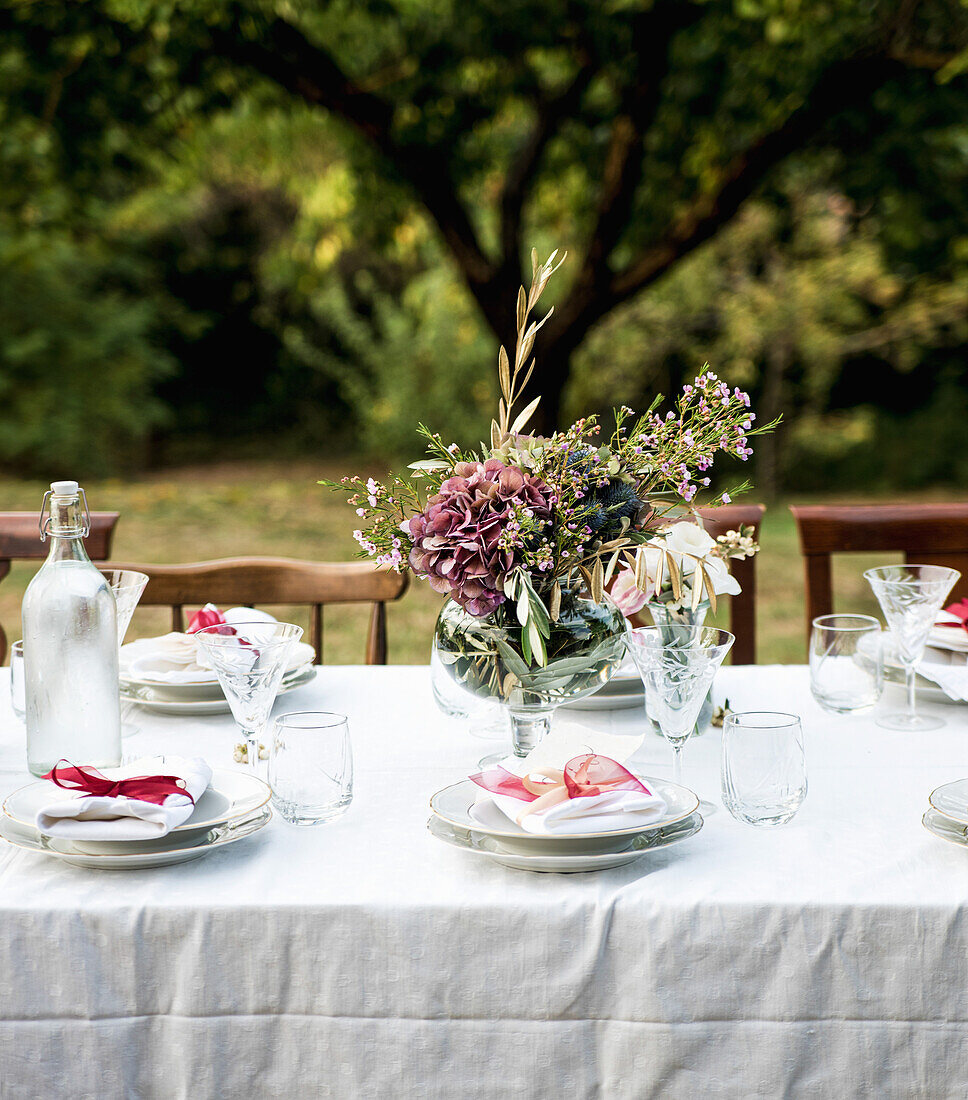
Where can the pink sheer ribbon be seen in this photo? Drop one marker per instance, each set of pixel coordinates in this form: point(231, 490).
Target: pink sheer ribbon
point(582, 777)
point(145, 788)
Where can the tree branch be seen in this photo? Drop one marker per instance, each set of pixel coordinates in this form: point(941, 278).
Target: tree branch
point(843, 84)
point(284, 55)
point(551, 113)
point(653, 34)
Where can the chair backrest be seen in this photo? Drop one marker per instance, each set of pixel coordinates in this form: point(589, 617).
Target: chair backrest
point(20, 541)
point(926, 534)
point(249, 581)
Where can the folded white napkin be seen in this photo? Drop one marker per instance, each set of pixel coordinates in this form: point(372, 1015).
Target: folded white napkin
point(949, 637)
point(951, 675)
point(599, 813)
point(177, 658)
point(93, 817)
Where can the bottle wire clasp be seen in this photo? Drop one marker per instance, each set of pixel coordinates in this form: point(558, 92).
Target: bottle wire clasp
point(45, 512)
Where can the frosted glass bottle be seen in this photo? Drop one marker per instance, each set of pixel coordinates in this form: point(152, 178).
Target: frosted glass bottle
point(70, 628)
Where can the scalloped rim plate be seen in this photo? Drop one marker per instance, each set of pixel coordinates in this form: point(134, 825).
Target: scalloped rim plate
point(67, 851)
point(649, 840)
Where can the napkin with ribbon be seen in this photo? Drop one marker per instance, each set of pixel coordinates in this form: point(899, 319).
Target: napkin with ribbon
point(177, 659)
point(951, 629)
point(591, 794)
point(144, 800)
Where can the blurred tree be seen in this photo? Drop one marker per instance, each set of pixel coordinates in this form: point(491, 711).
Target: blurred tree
point(637, 129)
point(799, 298)
point(660, 118)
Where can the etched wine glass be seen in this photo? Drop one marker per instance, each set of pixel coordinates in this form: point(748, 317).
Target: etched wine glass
point(910, 597)
point(127, 586)
point(249, 660)
point(677, 663)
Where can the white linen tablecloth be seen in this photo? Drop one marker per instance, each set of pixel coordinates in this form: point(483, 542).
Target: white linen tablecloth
point(365, 959)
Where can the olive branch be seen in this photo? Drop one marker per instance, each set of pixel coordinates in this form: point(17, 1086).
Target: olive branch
point(514, 381)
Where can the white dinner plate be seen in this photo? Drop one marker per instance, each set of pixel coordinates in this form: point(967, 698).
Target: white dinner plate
point(641, 844)
point(149, 699)
point(951, 801)
point(458, 805)
point(232, 795)
point(602, 700)
point(178, 850)
point(944, 828)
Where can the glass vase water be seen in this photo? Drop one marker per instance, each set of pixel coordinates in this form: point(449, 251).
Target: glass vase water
point(483, 656)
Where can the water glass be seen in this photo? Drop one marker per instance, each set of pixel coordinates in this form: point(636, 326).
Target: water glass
point(846, 669)
point(311, 766)
point(17, 699)
point(764, 773)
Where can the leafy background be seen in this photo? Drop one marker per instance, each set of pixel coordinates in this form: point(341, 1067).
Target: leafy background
point(227, 236)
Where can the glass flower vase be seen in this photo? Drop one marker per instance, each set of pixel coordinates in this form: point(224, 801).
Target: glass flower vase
point(663, 614)
point(483, 656)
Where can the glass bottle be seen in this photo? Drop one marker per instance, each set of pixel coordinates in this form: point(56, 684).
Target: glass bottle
point(70, 631)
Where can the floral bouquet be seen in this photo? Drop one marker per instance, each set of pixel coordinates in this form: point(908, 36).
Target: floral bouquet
point(525, 532)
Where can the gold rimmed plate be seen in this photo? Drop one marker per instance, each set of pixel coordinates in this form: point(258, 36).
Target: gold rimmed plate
point(951, 801)
point(640, 845)
point(178, 850)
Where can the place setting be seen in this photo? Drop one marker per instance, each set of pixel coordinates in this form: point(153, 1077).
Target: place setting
point(153, 812)
point(175, 673)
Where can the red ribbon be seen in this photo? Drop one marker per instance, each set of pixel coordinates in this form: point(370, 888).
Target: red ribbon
point(583, 777)
point(145, 788)
point(960, 611)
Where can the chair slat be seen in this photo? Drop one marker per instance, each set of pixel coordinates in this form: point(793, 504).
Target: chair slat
point(252, 581)
point(925, 534)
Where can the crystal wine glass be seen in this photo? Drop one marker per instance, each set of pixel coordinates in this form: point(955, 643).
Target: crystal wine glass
point(910, 597)
point(677, 663)
point(249, 660)
point(127, 586)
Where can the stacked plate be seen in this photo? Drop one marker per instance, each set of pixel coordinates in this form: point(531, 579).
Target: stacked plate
point(941, 652)
point(462, 818)
point(200, 695)
point(625, 689)
point(234, 806)
point(947, 814)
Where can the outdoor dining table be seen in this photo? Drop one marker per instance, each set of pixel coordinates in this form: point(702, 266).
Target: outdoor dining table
point(828, 957)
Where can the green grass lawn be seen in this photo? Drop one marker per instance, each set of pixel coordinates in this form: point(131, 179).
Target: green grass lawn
point(232, 510)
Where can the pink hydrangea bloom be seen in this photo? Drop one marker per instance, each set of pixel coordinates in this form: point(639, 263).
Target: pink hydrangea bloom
point(456, 539)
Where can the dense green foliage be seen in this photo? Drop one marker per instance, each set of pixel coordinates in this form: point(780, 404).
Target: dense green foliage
point(300, 222)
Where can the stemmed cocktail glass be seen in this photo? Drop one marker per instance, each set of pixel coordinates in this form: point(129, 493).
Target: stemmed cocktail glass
point(677, 663)
point(127, 586)
point(911, 597)
point(249, 660)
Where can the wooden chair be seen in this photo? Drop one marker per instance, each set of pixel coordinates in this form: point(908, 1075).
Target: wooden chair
point(926, 534)
point(20, 541)
point(248, 581)
point(742, 608)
